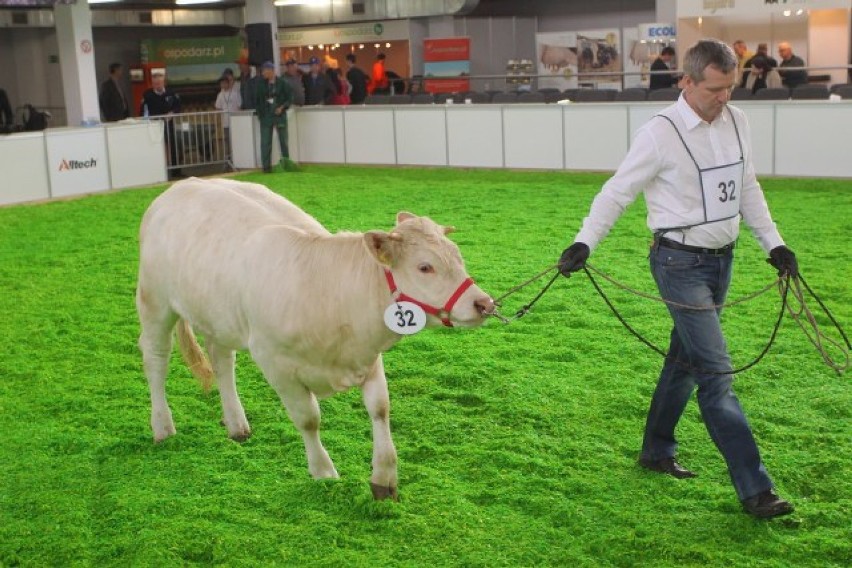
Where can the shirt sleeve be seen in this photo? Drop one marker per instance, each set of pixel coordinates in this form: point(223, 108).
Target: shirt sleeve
point(754, 209)
point(640, 166)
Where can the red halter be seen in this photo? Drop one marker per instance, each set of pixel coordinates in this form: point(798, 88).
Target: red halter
point(442, 313)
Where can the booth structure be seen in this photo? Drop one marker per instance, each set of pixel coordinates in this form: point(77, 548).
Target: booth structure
point(62, 162)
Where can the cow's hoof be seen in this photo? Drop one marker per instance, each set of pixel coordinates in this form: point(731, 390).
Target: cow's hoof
point(381, 492)
point(240, 436)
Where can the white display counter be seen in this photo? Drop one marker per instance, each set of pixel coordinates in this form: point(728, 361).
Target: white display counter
point(24, 165)
point(62, 162)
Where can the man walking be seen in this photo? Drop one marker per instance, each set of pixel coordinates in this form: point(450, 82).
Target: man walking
point(693, 162)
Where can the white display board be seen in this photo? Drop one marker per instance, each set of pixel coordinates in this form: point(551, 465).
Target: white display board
point(421, 135)
point(475, 136)
point(595, 136)
point(369, 135)
point(321, 137)
point(77, 161)
point(813, 139)
point(22, 161)
point(137, 153)
point(532, 136)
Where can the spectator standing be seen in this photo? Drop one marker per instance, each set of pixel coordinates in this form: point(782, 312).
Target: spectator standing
point(228, 100)
point(378, 79)
point(663, 63)
point(248, 84)
point(318, 87)
point(743, 55)
point(358, 80)
point(762, 51)
point(112, 101)
point(341, 87)
point(273, 97)
point(294, 76)
point(7, 117)
point(159, 100)
point(761, 75)
point(694, 163)
point(791, 79)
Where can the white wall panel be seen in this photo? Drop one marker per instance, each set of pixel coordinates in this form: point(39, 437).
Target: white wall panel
point(370, 137)
point(23, 162)
point(321, 135)
point(421, 135)
point(532, 136)
point(77, 161)
point(813, 139)
point(137, 153)
point(596, 136)
point(475, 134)
point(761, 121)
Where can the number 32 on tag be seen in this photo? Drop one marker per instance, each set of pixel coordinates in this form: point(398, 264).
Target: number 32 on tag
point(405, 318)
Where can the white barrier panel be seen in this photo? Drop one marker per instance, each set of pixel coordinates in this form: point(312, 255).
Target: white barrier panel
point(137, 153)
point(369, 135)
point(321, 136)
point(761, 122)
point(245, 140)
point(22, 160)
point(813, 139)
point(595, 136)
point(77, 161)
point(475, 136)
point(532, 136)
point(640, 113)
point(421, 135)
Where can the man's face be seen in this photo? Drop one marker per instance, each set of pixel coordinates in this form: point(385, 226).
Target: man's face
point(291, 68)
point(224, 84)
point(315, 68)
point(709, 97)
point(158, 82)
point(119, 71)
point(245, 70)
point(739, 49)
point(785, 51)
point(268, 73)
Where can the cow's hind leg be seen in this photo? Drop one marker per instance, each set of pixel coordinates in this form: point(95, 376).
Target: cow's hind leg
point(222, 359)
point(304, 411)
point(375, 391)
point(155, 342)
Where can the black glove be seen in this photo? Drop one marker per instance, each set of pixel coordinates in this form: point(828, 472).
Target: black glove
point(784, 260)
point(573, 258)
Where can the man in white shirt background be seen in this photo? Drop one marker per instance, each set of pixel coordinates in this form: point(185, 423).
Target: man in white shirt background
point(693, 162)
point(228, 100)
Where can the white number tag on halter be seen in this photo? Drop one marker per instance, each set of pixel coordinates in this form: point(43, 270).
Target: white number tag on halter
point(405, 318)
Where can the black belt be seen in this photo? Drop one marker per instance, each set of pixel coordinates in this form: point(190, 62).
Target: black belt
point(668, 243)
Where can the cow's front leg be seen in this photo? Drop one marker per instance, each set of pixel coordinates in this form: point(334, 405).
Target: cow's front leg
point(304, 411)
point(375, 390)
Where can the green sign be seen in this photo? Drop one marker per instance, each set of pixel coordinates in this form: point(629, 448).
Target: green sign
point(378, 28)
point(192, 51)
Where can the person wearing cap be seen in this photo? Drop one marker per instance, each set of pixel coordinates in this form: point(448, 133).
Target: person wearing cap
point(318, 87)
point(293, 75)
point(272, 99)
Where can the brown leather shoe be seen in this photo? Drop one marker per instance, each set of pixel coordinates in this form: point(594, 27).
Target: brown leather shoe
point(667, 465)
point(767, 505)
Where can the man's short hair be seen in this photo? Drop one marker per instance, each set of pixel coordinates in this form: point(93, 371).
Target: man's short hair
point(708, 52)
point(668, 50)
point(380, 56)
point(113, 67)
point(350, 57)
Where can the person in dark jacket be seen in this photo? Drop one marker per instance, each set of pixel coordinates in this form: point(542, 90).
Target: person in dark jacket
point(6, 115)
point(272, 99)
point(663, 63)
point(162, 101)
point(791, 79)
point(357, 79)
point(318, 87)
point(113, 103)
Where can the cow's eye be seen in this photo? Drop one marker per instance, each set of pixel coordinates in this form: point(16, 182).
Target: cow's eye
point(426, 268)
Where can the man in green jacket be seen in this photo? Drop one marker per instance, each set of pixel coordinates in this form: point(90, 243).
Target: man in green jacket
point(272, 99)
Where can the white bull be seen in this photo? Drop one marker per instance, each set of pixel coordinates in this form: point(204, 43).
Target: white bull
point(249, 270)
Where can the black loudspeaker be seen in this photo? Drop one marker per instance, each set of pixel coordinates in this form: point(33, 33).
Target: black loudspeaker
point(259, 39)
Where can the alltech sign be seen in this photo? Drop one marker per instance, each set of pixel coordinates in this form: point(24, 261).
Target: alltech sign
point(78, 161)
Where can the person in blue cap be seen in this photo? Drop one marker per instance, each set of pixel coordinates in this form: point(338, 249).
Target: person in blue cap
point(318, 87)
point(272, 99)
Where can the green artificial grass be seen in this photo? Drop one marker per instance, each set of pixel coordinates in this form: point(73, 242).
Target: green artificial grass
point(517, 443)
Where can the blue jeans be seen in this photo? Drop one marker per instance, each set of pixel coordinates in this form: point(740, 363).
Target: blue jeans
point(696, 340)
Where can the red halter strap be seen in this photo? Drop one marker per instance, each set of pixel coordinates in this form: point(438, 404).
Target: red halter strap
point(441, 313)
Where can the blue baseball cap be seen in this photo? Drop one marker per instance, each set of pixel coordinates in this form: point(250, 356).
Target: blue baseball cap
point(314, 60)
point(267, 65)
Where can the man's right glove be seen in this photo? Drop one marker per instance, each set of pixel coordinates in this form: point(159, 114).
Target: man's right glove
point(784, 260)
point(573, 258)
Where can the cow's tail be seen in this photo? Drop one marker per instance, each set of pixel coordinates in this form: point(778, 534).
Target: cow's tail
point(195, 358)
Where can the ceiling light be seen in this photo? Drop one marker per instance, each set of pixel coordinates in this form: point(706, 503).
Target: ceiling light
point(799, 12)
point(103, 1)
point(193, 2)
point(301, 2)
point(787, 13)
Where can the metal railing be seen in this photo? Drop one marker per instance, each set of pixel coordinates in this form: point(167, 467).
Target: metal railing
point(196, 139)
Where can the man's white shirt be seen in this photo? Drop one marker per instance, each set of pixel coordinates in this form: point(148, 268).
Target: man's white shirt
point(659, 165)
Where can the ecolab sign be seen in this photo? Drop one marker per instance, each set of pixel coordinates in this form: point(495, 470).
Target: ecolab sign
point(77, 164)
point(657, 32)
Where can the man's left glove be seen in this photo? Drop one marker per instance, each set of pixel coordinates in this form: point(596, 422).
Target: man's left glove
point(573, 258)
point(784, 260)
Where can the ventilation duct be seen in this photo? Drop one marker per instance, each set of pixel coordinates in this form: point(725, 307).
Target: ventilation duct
point(313, 12)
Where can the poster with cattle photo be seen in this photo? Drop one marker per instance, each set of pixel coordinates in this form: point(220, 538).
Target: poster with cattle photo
point(556, 54)
point(599, 52)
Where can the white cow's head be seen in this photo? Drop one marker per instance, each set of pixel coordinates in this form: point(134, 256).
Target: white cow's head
point(427, 266)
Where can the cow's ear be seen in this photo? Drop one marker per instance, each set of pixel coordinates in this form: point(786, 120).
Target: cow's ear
point(384, 246)
point(404, 216)
point(448, 229)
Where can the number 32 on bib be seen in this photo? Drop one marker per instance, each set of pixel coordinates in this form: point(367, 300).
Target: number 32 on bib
point(721, 187)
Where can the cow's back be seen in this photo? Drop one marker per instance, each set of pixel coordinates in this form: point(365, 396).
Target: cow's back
point(195, 248)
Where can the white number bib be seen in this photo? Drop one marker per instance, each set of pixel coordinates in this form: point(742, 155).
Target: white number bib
point(405, 318)
point(721, 187)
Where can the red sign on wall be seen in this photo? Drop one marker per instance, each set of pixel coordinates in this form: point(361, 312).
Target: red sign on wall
point(446, 64)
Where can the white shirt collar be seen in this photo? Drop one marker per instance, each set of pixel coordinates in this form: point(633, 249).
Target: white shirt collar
point(690, 117)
